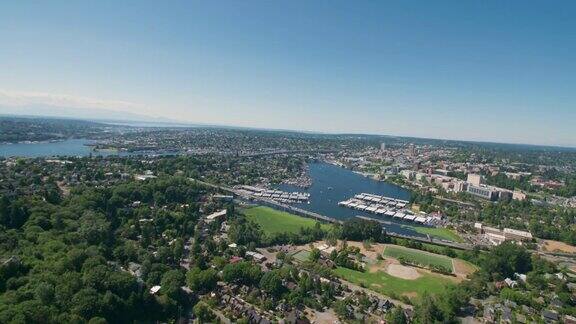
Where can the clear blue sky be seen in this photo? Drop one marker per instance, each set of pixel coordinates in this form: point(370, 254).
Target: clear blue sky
point(480, 70)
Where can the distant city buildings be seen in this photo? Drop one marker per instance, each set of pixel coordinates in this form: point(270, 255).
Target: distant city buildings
point(412, 150)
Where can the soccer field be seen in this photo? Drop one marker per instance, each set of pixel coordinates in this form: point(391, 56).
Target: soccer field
point(275, 221)
point(423, 258)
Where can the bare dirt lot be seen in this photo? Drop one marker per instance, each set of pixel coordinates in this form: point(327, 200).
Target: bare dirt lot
point(462, 269)
point(394, 268)
point(327, 317)
point(403, 272)
point(555, 246)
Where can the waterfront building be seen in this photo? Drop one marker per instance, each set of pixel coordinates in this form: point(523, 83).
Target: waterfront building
point(408, 174)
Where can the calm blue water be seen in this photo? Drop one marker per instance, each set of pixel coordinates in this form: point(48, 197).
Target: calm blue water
point(332, 184)
point(71, 147)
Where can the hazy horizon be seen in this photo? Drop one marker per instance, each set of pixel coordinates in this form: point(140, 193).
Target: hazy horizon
point(491, 72)
point(150, 122)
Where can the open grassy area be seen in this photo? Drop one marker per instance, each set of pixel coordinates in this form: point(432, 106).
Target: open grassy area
point(436, 232)
point(301, 255)
point(386, 284)
point(424, 258)
point(274, 221)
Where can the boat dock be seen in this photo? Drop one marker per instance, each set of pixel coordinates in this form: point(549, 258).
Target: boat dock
point(277, 195)
point(241, 195)
point(384, 206)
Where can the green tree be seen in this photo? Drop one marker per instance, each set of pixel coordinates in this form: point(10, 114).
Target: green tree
point(396, 316)
point(201, 280)
point(203, 312)
point(171, 283)
point(271, 283)
point(242, 272)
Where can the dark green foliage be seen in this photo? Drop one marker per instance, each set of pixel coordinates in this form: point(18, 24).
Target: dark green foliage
point(201, 280)
point(243, 231)
point(397, 316)
point(359, 230)
point(242, 273)
point(61, 259)
point(203, 312)
point(506, 259)
point(271, 283)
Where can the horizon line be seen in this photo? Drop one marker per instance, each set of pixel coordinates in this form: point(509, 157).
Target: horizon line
point(175, 124)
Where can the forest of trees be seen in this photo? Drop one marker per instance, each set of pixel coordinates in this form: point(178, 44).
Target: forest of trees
point(61, 260)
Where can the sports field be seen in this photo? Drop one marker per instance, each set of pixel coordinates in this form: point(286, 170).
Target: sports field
point(389, 285)
point(423, 258)
point(273, 221)
point(436, 232)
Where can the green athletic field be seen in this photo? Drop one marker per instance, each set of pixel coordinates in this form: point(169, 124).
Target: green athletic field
point(394, 287)
point(436, 232)
point(423, 258)
point(274, 221)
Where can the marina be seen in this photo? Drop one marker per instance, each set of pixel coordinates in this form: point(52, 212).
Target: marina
point(276, 195)
point(332, 184)
point(386, 206)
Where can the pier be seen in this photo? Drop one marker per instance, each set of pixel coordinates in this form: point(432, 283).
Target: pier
point(277, 195)
point(244, 196)
point(384, 206)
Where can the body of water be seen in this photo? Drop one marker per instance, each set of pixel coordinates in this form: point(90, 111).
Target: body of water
point(332, 184)
point(70, 147)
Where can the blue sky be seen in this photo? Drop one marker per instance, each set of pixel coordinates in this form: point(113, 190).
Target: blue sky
point(479, 70)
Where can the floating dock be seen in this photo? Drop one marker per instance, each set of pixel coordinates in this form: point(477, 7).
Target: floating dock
point(277, 195)
point(384, 206)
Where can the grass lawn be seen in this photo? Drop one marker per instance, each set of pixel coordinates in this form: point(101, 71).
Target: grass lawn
point(386, 284)
point(436, 232)
point(424, 258)
point(301, 255)
point(275, 221)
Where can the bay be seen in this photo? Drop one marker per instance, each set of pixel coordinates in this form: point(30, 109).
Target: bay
point(332, 184)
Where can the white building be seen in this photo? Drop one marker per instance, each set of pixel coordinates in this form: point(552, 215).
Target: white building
point(474, 179)
point(212, 217)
